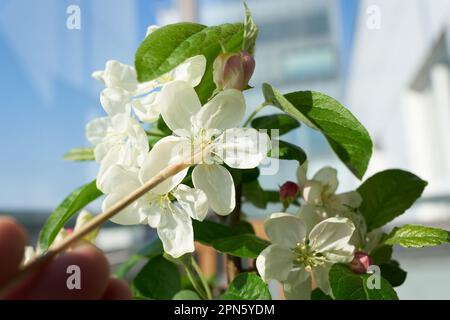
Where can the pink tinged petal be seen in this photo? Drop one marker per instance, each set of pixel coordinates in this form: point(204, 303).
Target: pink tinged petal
point(361, 262)
point(224, 111)
point(312, 192)
point(179, 103)
point(217, 183)
point(298, 285)
point(275, 262)
point(285, 230)
point(331, 237)
point(320, 274)
point(242, 148)
point(176, 232)
point(167, 151)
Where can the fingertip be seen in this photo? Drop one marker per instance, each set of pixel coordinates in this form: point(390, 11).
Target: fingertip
point(12, 243)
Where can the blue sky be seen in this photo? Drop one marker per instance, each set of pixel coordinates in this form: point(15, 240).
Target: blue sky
point(47, 94)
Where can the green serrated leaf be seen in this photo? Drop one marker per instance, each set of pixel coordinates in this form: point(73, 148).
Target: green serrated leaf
point(247, 286)
point(414, 236)
point(80, 154)
point(186, 295)
point(207, 231)
point(243, 246)
point(287, 151)
point(70, 206)
point(388, 194)
point(345, 134)
point(158, 279)
point(347, 285)
point(283, 122)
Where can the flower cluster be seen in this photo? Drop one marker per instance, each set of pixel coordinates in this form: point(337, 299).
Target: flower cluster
point(211, 132)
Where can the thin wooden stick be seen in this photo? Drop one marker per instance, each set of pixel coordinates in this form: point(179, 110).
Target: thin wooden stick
point(40, 261)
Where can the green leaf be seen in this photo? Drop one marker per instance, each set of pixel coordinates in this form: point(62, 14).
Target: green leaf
point(186, 295)
point(207, 231)
point(283, 122)
point(250, 31)
point(381, 254)
point(256, 195)
point(247, 286)
point(80, 154)
point(388, 194)
point(169, 46)
point(158, 279)
point(346, 285)
point(318, 294)
point(150, 250)
point(155, 55)
point(347, 137)
point(287, 151)
point(243, 246)
point(70, 206)
point(414, 236)
point(393, 273)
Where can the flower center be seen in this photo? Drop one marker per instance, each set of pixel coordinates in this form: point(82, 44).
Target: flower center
point(305, 256)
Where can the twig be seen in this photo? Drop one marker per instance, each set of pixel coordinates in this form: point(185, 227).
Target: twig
point(29, 269)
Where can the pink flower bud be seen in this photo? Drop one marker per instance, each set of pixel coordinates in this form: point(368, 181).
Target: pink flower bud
point(288, 191)
point(361, 262)
point(233, 70)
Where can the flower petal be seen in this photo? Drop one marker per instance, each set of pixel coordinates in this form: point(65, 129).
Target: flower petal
point(285, 229)
point(351, 199)
point(191, 71)
point(275, 262)
point(328, 177)
point(115, 101)
point(193, 201)
point(97, 130)
point(117, 179)
point(332, 236)
point(242, 148)
point(131, 215)
point(176, 232)
point(298, 285)
point(309, 215)
point(167, 151)
point(118, 75)
point(218, 185)
point(179, 103)
point(224, 111)
point(320, 274)
point(301, 174)
point(147, 108)
point(312, 192)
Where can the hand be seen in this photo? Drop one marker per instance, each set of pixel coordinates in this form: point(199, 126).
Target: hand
point(51, 281)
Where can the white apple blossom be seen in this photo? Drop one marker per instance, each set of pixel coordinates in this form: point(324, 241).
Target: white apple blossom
point(321, 200)
point(211, 130)
point(155, 208)
point(118, 140)
point(123, 91)
point(297, 257)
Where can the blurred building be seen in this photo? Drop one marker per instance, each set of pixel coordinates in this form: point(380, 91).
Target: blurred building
point(399, 87)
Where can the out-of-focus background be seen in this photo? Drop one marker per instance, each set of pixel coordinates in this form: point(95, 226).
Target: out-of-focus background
point(386, 60)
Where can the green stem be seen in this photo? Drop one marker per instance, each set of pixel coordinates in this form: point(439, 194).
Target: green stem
point(156, 134)
point(202, 279)
point(195, 284)
point(254, 113)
